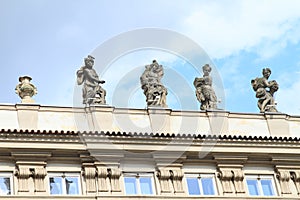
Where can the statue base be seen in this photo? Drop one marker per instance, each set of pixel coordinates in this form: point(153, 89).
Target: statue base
point(157, 107)
point(27, 100)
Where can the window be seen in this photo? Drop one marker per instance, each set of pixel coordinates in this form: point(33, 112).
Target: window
point(61, 184)
point(5, 184)
point(260, 185)
point(138, 184)
point(202, 184)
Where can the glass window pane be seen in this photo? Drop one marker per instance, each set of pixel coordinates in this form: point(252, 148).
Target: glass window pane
point(72, 185)
point(208, 186)
point(267, 187)
point(146, 185)
point(130, 185)
point(56, 185)
point(5, 186)
point(252, 187)
point(193, 186)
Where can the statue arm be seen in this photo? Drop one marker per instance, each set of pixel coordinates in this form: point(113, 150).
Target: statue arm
point(88, 75)
point(80, 76)
point(268, 83)
point(198, 82)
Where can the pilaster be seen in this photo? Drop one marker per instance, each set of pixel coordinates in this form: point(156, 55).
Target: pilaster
point(28, 116)
point(231, 174)
point(31, 172)
point(164, 176)
point(295, 176)
point(89, 174)
point(23, 173)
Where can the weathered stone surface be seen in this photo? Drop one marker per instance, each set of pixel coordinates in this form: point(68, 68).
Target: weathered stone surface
point(92, 92)
point(25, 89)
point(204, 91)
point(265, 91)
point(154, 90)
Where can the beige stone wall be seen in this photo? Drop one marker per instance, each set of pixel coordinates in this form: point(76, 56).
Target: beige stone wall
point(103, 160)
point(105, 118)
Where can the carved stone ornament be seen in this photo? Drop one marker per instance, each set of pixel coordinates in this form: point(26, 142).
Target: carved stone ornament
point(296, 178)
point(226, 177)
point(164, 179)
point(154, 90)
point(204, 91)
point(90, 179)
point(92, 92)
point(25, 89)
point(238, 177)
point(265, 91)
point(39, 175)
point(176, 177)
point(114, 174)
point(284, 177)
point(23, 173)
point(102, 179)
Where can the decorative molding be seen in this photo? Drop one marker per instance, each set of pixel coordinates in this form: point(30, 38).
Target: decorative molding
point(295, 176)
point(102, 179)
point(114, 175)
point(90, 179)
point(238, 177)
point(23, 173)
point(284, 177)
point(164, 176)
point(39, 174)
point(176, 177)
point(226, 177)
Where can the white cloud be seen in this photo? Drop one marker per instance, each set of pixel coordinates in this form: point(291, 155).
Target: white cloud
point(123, 76)
point(227, 27)
point(288, 100)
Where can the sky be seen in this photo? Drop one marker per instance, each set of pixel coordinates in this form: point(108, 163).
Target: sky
point(48, 40)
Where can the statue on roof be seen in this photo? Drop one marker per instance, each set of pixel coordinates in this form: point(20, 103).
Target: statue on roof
point(265, 91)
point(92, 92)
point(154, 90)
point(204, 91)
point(25, 89)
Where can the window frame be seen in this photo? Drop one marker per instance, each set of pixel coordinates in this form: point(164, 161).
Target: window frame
point(198, 176)
point(258, 178)
point(64, 175)
point(10, 176)
point(137, 182)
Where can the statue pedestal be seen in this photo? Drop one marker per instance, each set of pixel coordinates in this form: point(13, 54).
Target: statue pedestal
point(157, 108)
point(159, 119)
point(28, 100)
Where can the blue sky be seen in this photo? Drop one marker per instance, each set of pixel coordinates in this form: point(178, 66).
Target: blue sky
point(48, 39)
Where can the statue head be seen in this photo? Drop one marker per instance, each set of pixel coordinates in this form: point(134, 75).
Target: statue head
point(89, 61)
point(266, 72)
point(206, 69)
point(155, 67)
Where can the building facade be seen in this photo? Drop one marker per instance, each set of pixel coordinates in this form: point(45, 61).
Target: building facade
point(103, 152)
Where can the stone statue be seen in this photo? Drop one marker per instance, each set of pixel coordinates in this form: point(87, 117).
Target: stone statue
point(25, 89)
point(204, 91)
point(154, 90)
point(92, 92)
point(265, 91)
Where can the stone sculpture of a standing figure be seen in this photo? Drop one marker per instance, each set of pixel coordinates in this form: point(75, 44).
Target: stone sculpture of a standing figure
point(154, 90)
point(265, 91)
point(204, 91)
point(92, 92)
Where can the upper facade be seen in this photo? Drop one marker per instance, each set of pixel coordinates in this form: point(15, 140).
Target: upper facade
point(98, 151)
point(151, 120)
